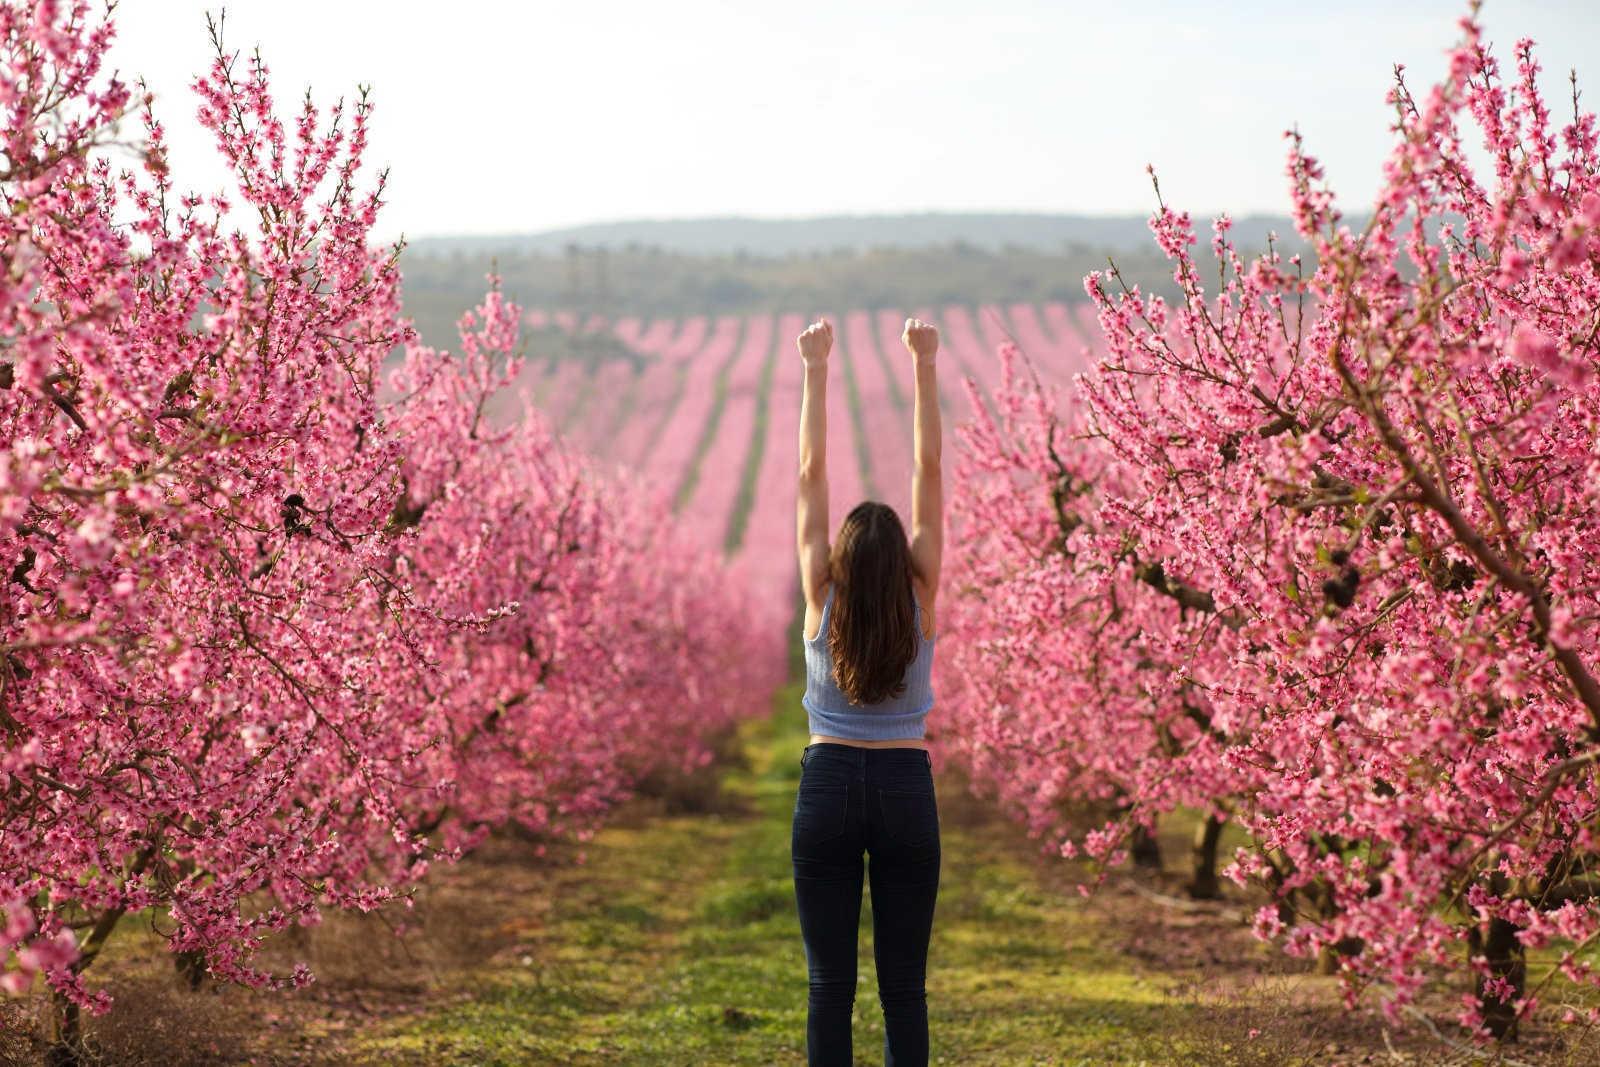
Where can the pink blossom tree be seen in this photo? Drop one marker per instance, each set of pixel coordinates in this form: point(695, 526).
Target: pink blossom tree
point(1356, 505)
point(277, 633)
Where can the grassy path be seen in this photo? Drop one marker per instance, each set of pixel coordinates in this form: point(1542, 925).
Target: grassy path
point(674, 941)
point(671, 938)
point(679, 945)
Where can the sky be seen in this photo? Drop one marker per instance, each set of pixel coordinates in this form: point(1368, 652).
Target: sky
point(515, 117)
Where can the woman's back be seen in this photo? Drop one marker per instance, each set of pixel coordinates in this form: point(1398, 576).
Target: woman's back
point(830, 712)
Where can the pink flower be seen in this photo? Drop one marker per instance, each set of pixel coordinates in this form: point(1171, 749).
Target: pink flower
point(1532, 346)
point(1589, 209)
point(1569, 252)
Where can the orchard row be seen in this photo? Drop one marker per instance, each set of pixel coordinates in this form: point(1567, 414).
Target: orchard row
point(1314, 549)
point(707, 415)
point(285, 623)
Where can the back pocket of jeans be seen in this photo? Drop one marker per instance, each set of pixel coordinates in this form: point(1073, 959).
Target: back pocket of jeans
point(821, 811)
point(910, 816)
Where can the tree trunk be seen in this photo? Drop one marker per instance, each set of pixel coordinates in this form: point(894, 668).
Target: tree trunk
point(191, 967)
point(1203, 885)
point(1330, 956)
point(63, 1033)
point(1144, 848)
point(1499, 945)
point(63, 1023)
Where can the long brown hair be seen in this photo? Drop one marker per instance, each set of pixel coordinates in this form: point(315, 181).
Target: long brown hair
point(872, 636)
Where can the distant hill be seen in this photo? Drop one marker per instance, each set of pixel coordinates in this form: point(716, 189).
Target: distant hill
point(831, 233)
point(677, 267)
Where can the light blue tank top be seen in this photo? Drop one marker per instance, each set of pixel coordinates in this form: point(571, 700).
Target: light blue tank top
point(830, 712)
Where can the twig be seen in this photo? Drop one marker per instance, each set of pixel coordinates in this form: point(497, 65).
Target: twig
point(1497, 1057)
point(1179, 904)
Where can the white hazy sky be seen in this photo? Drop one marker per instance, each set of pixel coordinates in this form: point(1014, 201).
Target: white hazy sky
point(502, 117)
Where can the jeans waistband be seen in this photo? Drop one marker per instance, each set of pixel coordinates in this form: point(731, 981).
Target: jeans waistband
point(861, 756)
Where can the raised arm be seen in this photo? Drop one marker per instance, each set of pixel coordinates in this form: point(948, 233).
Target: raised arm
point(927, 480)
point(812, 500)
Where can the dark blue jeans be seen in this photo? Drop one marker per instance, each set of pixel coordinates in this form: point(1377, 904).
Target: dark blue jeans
point(879, 800)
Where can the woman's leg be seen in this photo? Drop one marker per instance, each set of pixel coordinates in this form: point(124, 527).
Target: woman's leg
point(826, 845)
point(904, 874)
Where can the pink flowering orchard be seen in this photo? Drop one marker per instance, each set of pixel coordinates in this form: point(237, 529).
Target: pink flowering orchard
point(1070, 682)
point(1315, 548)
point(277, 631)
point(297, 607)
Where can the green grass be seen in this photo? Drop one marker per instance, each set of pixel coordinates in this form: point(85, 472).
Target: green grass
point(674, 941)
point(708, 433)
point(952, 369)
point(893, 369)
point(624, 410)
point(684, 948)
point(680, 385)
point(671, 938)
point(858, 423)
point(754, 454)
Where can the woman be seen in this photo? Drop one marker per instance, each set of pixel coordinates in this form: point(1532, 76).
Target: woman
point(866, 780)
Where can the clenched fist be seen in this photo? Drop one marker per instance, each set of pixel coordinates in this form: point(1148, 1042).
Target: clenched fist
point(815, 341)
point(921, 340)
